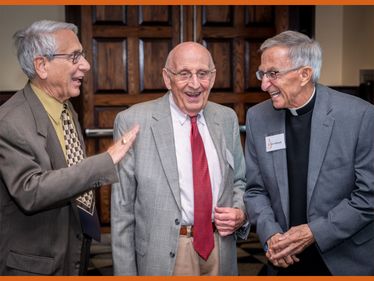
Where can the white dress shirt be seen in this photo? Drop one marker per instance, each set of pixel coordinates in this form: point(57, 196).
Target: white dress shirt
point(182, 131)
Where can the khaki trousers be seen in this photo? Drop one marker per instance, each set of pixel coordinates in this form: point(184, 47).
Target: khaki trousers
point(188, 261)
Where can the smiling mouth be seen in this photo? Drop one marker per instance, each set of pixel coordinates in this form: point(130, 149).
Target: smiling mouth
point(274, 94)
point(193, 94)
point(78, 80)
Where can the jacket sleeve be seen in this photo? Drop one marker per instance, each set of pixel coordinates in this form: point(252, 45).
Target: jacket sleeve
point(256, 197)
point(27, 172)
point(239, 177)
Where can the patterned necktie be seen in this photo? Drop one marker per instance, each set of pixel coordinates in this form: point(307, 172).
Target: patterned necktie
point(86, 201)
point(203, 240)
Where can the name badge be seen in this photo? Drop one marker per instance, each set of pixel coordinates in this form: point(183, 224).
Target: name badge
point(275, 142)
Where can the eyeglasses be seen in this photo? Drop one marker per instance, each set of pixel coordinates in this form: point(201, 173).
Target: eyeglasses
point(74, 57)
point(186, 75)
point(273, 74)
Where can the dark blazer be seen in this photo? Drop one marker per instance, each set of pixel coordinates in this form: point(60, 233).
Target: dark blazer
point(340, 189)
point(40, 231)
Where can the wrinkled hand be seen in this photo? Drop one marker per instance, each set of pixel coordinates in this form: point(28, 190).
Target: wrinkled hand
point(280, 262)
point(119, 149)
point(293, 242)
point(227, 220)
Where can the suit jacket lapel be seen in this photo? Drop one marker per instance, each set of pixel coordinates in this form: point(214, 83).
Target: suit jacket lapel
point(216, 132)
point(45, 129)
point(321, 129)
point(277, 126)
point(162, 129)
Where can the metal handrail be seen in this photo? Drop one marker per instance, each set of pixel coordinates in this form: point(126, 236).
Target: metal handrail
point(97, 133)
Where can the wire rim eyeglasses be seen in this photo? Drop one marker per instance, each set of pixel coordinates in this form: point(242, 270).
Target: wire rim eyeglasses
point(274, 74)
point(186, 75)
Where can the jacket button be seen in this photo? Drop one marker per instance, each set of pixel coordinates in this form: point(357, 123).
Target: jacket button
point(177, 222)
point(172, 255)
point(77, 265)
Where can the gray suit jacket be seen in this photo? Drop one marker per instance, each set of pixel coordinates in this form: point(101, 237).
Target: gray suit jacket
point(40, 231)
point(340, 191)
point(146, 205)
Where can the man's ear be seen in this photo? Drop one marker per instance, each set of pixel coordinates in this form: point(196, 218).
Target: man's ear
point(167, 79)
point(306, 75)
point(40, 64)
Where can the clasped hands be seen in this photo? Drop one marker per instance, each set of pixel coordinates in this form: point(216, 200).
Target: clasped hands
point(283, 248)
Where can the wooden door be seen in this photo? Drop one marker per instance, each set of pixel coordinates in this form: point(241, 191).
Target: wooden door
point(128, 45)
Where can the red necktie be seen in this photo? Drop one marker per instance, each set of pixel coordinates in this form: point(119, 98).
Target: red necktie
point(203, 240)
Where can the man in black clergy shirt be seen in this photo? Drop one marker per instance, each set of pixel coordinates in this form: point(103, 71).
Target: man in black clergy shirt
point(310, 174)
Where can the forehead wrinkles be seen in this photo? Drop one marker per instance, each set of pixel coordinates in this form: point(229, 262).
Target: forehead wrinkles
point(186, 58)
point(67, 41)
point(275, 58)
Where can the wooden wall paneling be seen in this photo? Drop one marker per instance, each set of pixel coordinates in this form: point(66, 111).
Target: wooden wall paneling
point(86, 97)
point(86, 39)
point(155, 15)
point(110, 65)
point(252, 62)
point(281, 20)
point(152, 56)
point(189, 24)
point(218, 15)
point(133, 66)
point(221, 51)
point(109, 13)
point(259, 15)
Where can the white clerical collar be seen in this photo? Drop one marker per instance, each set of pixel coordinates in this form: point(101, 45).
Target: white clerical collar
point(294, 110)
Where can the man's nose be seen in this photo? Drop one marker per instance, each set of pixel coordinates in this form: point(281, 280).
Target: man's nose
point(265, 83)
point(84, 65)
point(194, 81)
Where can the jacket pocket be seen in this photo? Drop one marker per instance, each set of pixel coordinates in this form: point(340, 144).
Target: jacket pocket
point(140, 246)
point(364, 235)
point(30, 263)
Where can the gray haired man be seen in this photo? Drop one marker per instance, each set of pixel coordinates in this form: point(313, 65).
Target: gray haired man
point(310, 175)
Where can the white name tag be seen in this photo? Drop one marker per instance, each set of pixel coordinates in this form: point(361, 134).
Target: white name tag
point(275, 142)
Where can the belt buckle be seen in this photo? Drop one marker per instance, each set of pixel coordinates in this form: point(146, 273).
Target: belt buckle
point(189, 230)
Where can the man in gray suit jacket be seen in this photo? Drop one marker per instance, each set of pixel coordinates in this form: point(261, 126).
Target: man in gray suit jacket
point(40, 225)
point(153, 205)
point(310, 166)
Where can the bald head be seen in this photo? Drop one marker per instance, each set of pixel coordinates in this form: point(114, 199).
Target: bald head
point(184, 49)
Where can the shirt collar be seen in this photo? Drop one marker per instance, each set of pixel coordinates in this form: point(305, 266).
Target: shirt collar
point(52, 106)
point(180, 115)
point(306, 107)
